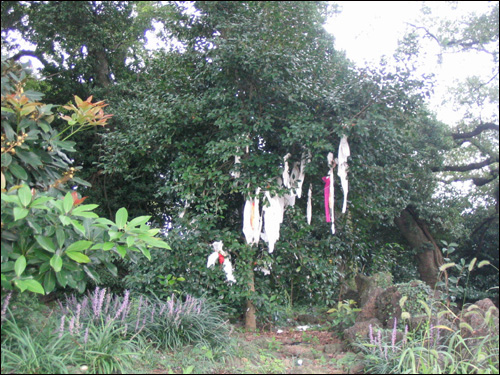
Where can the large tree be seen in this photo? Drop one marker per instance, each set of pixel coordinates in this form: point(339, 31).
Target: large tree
point(260, 80)
point(256, 80)
point(471, 161)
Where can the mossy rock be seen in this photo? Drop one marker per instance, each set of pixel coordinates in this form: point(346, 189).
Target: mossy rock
point(388, 305)
point(415, 291)
point(367, 284)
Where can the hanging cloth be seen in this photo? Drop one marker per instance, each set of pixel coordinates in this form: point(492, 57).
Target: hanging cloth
point(223, 258)
point(344, 153)
point(286, 175)
point(252, 222)
point(309, 205)
point(302, 173)
point(326, 180)
point(273, 217)
point(330, 193)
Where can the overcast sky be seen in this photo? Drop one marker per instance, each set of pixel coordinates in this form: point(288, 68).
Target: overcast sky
point(367, 30)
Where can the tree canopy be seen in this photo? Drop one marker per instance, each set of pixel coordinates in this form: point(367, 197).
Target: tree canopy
point(200, 125)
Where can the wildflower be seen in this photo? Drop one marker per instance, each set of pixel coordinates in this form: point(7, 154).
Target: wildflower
point(379, 341)
point(101, 301)
point(371, 334)
point(86, 336)
point(394, 332)
point(78, 312)
point(71, 325)
point(163, 308)
point(153, 314)
point(85, 302)
point(95, 301)
point(61, 328)
point(138, 314)
point(5, 305)
point(171, 305)
point(124, 305)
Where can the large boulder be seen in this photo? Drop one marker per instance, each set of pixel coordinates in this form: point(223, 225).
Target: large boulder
point(361, 330)
point(481, 317)
point(369, 309)
point(367, 284)
point(387, 306)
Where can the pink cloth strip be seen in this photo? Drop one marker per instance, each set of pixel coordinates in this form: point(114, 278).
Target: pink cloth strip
point(326, 180)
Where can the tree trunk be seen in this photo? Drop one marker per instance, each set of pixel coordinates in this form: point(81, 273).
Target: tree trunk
point(250, 321)
point(101, 67)
point(429, 256)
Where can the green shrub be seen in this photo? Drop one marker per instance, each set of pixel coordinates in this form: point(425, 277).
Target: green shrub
point(436, 349)
point(344, 315)
point(167, 324)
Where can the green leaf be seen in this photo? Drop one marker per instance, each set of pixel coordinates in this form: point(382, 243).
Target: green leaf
point(20, 265)
point(10, 198)
point(91, 215)
point(114, 235)
point(6, 159)
point(154, 242)
point(85, 207)
point(130, 241)
point(103, 220)
point(61, 237)
point(92, 274)
point(139, 221)
point(24, 194)
point(40, 202)
point(77, 256)
point(78, 226)
point(20, 213)
point(56, 262)
point(79, 246)
point(49, 281)
point(104, 246)
point(68, 202)
point(112, 268)
point(121, 250)
point(146, 253)
point(29, 158)
point(108, 246)
point(65, 220)
point(31, 285)
point(62, 278)
point(46, 243)
point(18, 171)
point(121, 218)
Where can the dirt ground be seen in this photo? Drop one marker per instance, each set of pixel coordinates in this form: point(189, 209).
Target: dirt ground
point(307, 352)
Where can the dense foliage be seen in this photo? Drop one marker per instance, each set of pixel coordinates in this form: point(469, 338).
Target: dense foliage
point(256, 80)
point(48, 236)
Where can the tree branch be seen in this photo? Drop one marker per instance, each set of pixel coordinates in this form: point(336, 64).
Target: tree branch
point(34, 54)
point(465, 168)
point(478, 130)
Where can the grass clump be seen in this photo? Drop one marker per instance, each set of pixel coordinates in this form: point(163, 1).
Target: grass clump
point(434, 348)
point(107, 333)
